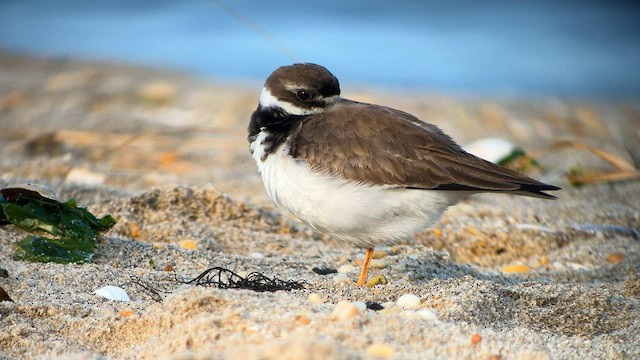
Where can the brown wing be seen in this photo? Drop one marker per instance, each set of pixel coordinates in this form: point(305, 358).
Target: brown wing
point(383, 146)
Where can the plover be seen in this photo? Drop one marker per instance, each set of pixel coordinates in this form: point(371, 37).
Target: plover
point(367, 174)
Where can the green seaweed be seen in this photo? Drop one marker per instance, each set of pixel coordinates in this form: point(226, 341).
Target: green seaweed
point(74, 229)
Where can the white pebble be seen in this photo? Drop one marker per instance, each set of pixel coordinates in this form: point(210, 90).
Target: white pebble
point(340, 277)
point(427, 315)
point(345, 310)
point(347, 268)
point(113, 293)
point(408, 301)
point(256, 255)
point(378, 263)
point(361, 306)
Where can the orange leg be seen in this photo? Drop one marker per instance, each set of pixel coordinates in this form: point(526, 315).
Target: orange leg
point(365, 267)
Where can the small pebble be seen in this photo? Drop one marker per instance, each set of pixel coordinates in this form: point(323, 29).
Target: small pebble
point(516, 269)
point(345, 310)
point(378, 264)
point(316, 299)
point(408, 301)
point(372, 305)
point(544, 261)
point(324, 271)
point(339, 277)
point(615, 258)
point(188, 244)
point(377, 280)
point(4, 296)
point(303, 320)
point(134, 230)
point(427, 315)
point(256, 255)
point(126, 313)
point(347, 268)
point(361, 306)
point(380, 350)
point(476, 339)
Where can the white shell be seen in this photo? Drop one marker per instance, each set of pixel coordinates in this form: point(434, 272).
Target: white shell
point(408, 302)
point(113, 293)
point(490, 149)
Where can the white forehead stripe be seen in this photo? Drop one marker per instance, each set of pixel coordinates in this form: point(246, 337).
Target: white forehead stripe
point(270, 101)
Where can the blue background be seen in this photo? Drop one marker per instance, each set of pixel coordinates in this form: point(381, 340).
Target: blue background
point(566, 48)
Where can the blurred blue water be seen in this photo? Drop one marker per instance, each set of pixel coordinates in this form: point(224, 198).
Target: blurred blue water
point(569, 48)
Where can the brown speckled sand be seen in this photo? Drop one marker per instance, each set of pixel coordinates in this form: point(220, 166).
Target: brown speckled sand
point(168, 157)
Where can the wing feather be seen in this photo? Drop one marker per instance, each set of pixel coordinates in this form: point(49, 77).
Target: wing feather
point(383, 146)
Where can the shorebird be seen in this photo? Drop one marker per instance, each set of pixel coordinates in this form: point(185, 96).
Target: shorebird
point(366, 174)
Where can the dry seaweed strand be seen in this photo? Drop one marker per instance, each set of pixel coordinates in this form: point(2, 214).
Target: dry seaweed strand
point(623, 170)
point(226, 279)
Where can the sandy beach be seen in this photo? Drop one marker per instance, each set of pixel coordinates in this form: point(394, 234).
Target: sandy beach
point(498, 277)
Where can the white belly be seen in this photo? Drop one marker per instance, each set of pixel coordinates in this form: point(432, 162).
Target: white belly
point(365, 215)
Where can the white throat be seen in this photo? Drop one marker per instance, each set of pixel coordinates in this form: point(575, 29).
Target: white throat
point(268, 100)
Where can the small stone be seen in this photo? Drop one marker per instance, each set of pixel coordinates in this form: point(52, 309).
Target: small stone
point(372, 305)
point(126, 313)
point(324, 271)
point(303, 320)
point(345, 310)
point(134, 230)
point(4, 296)
point(427, 315)
point(340, 277)
point(408, 301)
point(476, 339)
point(169, 268)
point(347, 268)
point(377, 280)
point(378, 264)
point(473, 230)
point(380, 350)
point(544, 261)
point(316, 299)
point(437, 232)
point(188, 244)
point(516, 269)
point(256, 255)
point(615, 258)
point(361, 306)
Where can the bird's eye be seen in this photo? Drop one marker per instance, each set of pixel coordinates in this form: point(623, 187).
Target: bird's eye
point(303, 95)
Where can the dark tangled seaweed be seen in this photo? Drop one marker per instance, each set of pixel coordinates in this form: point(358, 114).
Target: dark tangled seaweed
point(226, 279)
